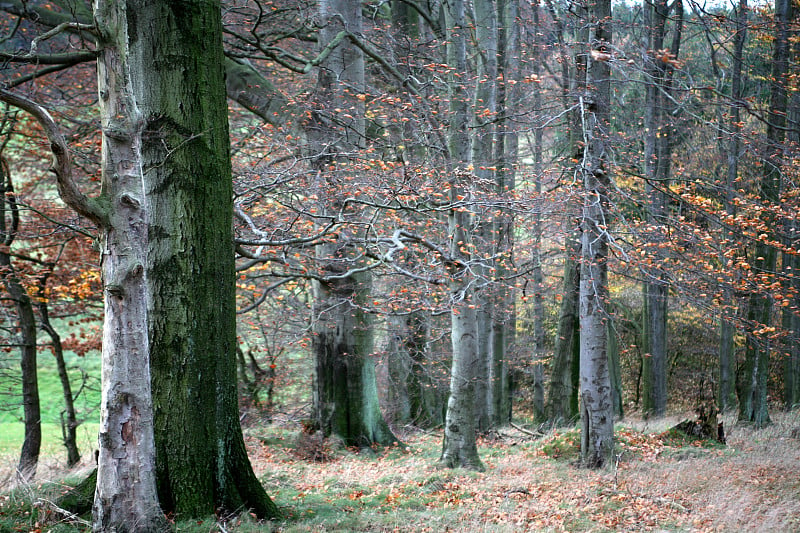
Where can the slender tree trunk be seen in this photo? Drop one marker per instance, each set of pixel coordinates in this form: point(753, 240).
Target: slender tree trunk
point(614, 371)
point(790, 264)
point(537, 274)
point(597, 413)
point(658, 156)
point(564, 386)
point(26, 326)
point(69, 422)
point(727, 354)
point(459, 448)
point(483, 138)
point(506, 156)
point(753, 374)
point(791, 321)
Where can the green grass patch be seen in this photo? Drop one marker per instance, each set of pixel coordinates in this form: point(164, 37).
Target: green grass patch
point(84, 374)
point(12, 433)
point(562, 445)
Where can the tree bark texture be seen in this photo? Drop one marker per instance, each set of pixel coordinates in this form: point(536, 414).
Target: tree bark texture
point(752, 375)
point(727, 349)
point(168, 272)
point(657, 166)
point(345, 387)
point(483, 139)
point(562, 394)
point(597, 414)
point(507, 153)
point(125, 494)
point(460, 447)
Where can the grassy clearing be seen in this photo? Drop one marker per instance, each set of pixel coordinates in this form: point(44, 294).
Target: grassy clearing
point(84, 373)
point(659, 484)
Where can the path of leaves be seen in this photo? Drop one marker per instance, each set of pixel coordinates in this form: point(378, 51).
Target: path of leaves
point(521, 490)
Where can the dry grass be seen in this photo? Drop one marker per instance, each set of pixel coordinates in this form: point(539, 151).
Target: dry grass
point(750, 485)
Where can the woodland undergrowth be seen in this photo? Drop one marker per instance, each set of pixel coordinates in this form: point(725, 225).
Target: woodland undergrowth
point(658, 483)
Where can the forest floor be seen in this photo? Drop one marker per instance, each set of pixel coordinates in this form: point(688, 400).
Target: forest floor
point(659, 483)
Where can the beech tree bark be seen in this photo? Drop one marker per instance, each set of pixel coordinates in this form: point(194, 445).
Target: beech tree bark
point(345, 388)
point(657, 165)
point(460, 447)
point(483, 139)
point(597, 414)
point(169, 420)
point(726, 396)
point(753, 373)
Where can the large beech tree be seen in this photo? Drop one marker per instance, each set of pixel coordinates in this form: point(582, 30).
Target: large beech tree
point(345, 389)
point(170, 430)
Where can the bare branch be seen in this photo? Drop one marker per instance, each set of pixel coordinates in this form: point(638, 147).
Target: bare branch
point(62, 166)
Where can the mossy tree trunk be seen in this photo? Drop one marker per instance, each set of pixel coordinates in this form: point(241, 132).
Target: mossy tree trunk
point(345, 388)
point(169, 384)
point(169, 408)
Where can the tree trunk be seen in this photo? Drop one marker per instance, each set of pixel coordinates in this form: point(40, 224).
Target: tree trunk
point(614, 372)
point(657, 164)
point(426, 399)
point(752, 376)
point(790, 263)
point(537, 274)
point(396, 399)
point(791, 322)
point(727, 354)
point(562, 393)
point(69, 422)
point(506, 156)
point(482, 147)
point(459, 448)
point(26, 325)
point(125, 493)
point(597, 413)
point(345, 388)
point(413, 393)
point(168, 273)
